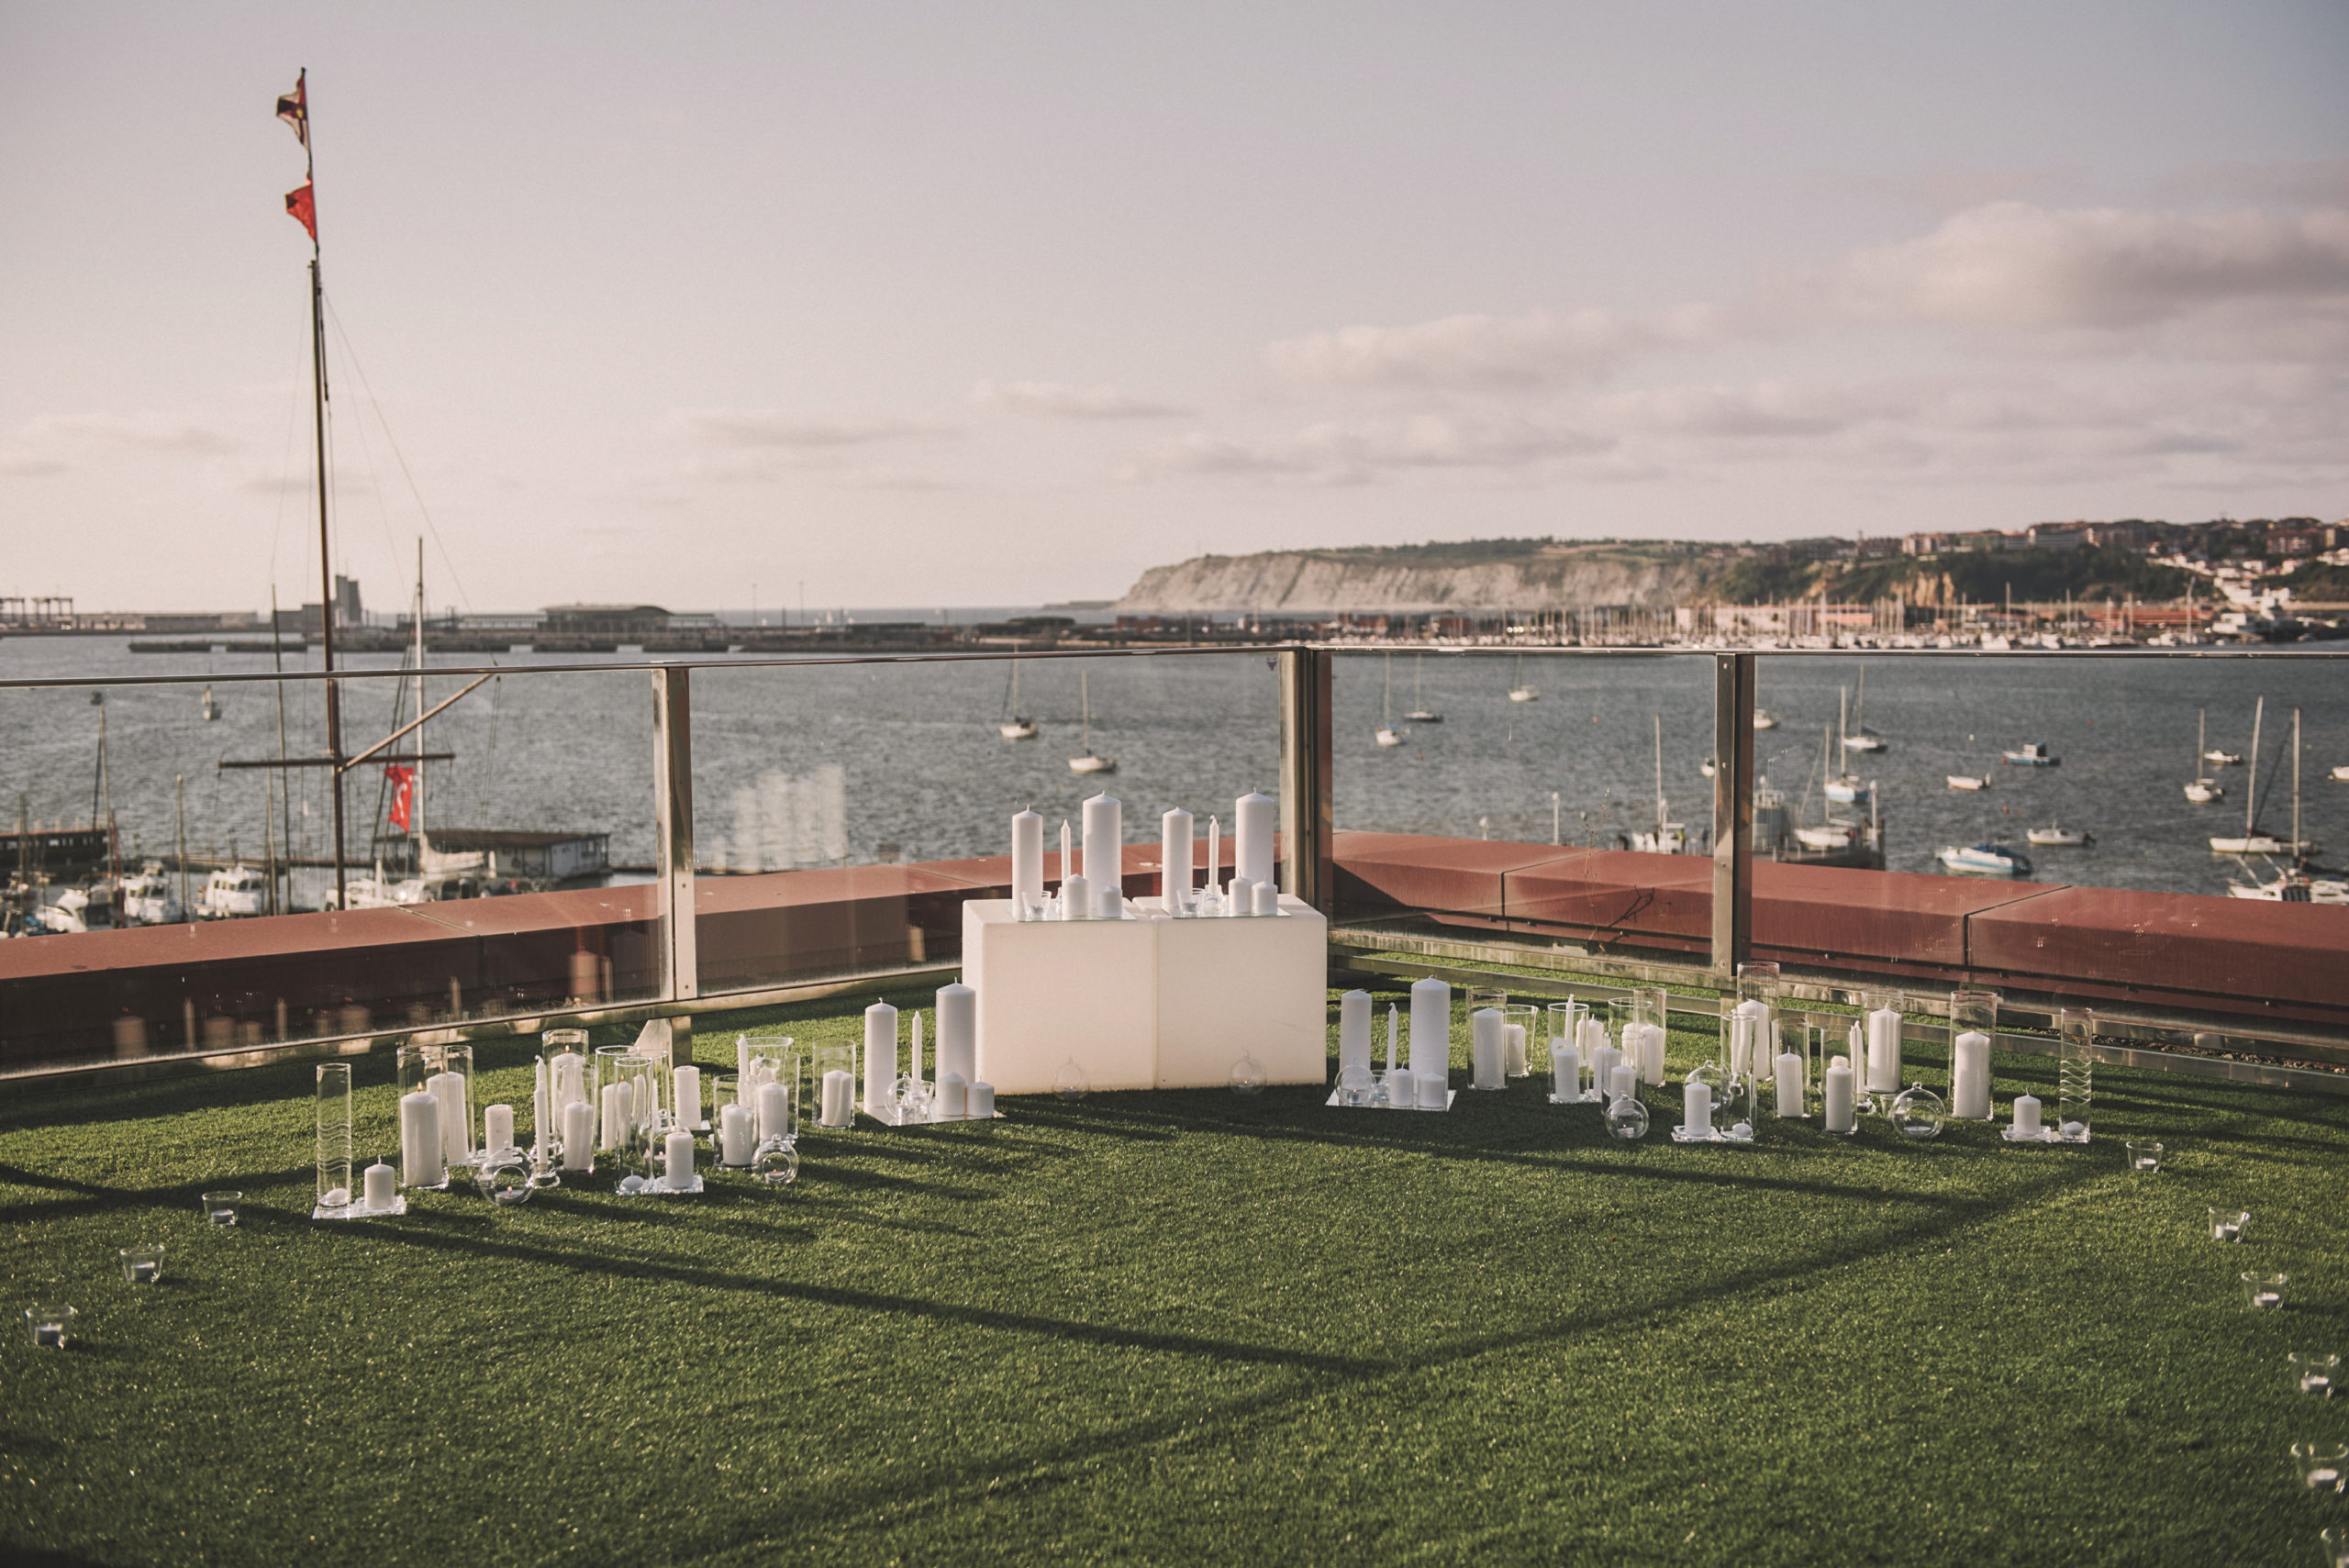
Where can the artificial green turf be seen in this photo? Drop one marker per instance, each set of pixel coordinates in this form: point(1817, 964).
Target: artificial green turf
point(1183, 1328)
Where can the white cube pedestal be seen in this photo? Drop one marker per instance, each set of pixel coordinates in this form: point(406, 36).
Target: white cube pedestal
point(1148, 1002)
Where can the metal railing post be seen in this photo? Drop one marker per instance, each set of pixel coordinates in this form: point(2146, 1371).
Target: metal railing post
point(673, 811)
point(1733, 676)
point(1307, 869)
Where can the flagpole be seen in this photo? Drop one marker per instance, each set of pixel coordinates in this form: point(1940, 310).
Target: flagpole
point(326, 560)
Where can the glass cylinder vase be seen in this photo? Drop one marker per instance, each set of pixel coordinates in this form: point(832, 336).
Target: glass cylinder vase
point(334, 1141)
point(431, 1114)
point(1881, 1028)
point(832, 1070)
point(765, 1060)
point(1973, 1034)
point(571, 1080)
point(2075, 1069)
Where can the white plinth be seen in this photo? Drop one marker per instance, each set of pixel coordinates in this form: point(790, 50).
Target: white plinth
point(1148, 1002)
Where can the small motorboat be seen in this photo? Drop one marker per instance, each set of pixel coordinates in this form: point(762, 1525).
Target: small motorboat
point(1665, 838)
point(1764, 720)
point(147, 898)
point(1389, 736)
point(2341, 771)
point(1986, 860)
point(211, 706)
point(2294, 887)
point(2218, 759)
point(1967, 781)
point(2060, 838)
point(2033, 754)
point(231, 893)
point(1830, 835)
point(2202, 791)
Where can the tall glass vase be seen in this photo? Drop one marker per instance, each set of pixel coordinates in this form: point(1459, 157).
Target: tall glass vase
point(2075, 1069)
point(334, 1145)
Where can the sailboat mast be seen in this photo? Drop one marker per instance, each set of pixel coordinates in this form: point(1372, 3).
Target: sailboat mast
point(326, 557)
point(2250, 785)
point(415, 818)
point(1659, 780)
point(2295, 784)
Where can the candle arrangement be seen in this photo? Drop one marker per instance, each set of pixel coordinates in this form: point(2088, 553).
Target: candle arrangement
point(909, 1099)
point(1097, 892)
point(435, 1112)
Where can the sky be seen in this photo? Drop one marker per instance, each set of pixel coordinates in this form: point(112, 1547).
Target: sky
point(720, 305)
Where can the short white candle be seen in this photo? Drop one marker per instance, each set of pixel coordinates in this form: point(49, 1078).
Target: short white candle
point(981, 1102)
point(1241, 897)
point(679, 1146)
point(579, 1136)
point(734, 1139)
point(2027, 1123)
point(1789, 1083)
point(379, 1185)
point(1108, 902)
point(952, 1102)
point(1513, 1049)
point(1566, 1071)
point(497, 1127)
point(1267, 898)
point(1843, 1097)
point(839, 1098)
point(420, 1143)
point(1435, 1090)
point(688, 1089)
point(1076, 898)
point(1697, 1106)
point(1485, 1029)
point(1431, 1026)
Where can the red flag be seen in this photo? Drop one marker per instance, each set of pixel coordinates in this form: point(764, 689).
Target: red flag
point(294, 107)
point(403, 782)
point(303, 208)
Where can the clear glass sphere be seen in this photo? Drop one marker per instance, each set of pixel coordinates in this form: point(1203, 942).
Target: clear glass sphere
point(1627, 1118)
point(1353, 1085)
point(1247, 1075)
point(630, 1186)
point(503, 1177)
point(776, 1163)
point(1918, 1112)
point(913, 1096)
point(1069, 1083)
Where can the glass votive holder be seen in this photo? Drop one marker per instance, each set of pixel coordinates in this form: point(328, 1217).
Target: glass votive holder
point(2145, 1156)
point(220, 1208)
point(2227, 1224)
point(52, 1323)
point(142, 1265)
point(2264, 1293)
point(2336, 1545)
point(2314, 1371)
point(2323, 1466)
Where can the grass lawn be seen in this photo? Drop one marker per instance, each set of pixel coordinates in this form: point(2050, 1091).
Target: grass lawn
point(1183, 1328)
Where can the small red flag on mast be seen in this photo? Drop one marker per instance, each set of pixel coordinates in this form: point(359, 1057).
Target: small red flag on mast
point(403, 782)
point(301, 207)
point(294, 108)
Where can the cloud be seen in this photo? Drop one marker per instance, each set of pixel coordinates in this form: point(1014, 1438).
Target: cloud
point(1537, 349)
point(1058, 401)
point(785, 429)
point(1335, 452)
point(153, 432)
point(26, 464)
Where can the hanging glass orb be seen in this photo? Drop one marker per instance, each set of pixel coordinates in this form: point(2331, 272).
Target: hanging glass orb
point(503, 1177)
point(1627, 1118)
point(1918, 1112)
point(1069, 1083)
point(1247, 1075)
point(776, 1163)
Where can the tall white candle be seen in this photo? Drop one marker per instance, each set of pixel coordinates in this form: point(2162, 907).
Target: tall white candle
point(981, 1102)
point(1430, 1026)
point(1884, 1051)
point(1594, 1035)
point(1104, 835)
point(914, 1040)
point(616, 1116)
point(1789, 1085)
point(421, 1142)
point(953, 1100)
point(1215, 853)
point(570, 1078)
point(579, 1136)
point(1602, 1058)
point(1750, 1033)
point(539, 1112)
point(1068, 862)
point(734, 1137)
point(2027, 1122)
point(1255, 819)
point(687, 1083)
point(1393, 1014)
point(1970, 1076)
point(1566, 1070)
point(1076, 898)
point(775, 1112)
point(1697, 1106)
point(1027, 859)
point(839, 1098)
point(497, 1127)
point(679, 1148)
point(1353, 1032)
point(1651, 1063)
point(958, 1030)
point(1486, 1029)
point(1177, 844)
point(1842, 1096)
point(880, 1057)
point(456, 1127)
point(378, 1186)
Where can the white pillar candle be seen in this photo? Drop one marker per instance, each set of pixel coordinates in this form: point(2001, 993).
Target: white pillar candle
point(421, 1142)
point(1749, 1038)
point(1430, 1026)
point(774, 1109)
point(1076, 898)
point(958, 1032)
point(1697, 1106)
point(1255, 819)
point(1268, 895)
point(1789, 1083)
point(616, 1118)
point(1513, 1051)
point(1970, 1076)
point(449, 1088)
point(880, 1056)
point(1027, 859)
point(1884, 1051)
point(379, 1186)
point(497, 1127)
point(1486, 1029)
point(1841, 1096)
point(1240, 897)
point(981, 1102)
point(734, 1139)
point(570, 1078)
point(1353, 1032)
point(1177, 844)
point(1653, 1072)
point(2027, 1123)
point(1594, 1035)
point(1434, 1090)
point(1108, 902)
point(1104, 836)
point(579, 1136)
point(539, 1111)
point(1566, 1070)
point(685, 1082)
point(1622, 1081)
point(839, 1098)
point(1602, 1058)
point(952, 1102)
point(680, 1162)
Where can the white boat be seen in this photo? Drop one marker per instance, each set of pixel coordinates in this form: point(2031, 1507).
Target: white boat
point(231, 893)
point(147, 898)
point(2294, 887)
point(1708, 767)
point(1520, 691)
point(1847, 791)
point(1859, 738)
point(1016, 726)
point(1387, 734)
point(2033, 754)
point(2252, 842)
point(2202, 790)
point(1990, 860)
point(1421, 713)
point(2263, 844)
point(1966, 781)
point(1829, 835)
point(2065, 838)
point(1764, 719)
point(2218, 759)
point(1089, 762)
point(1667, 838)
point(1995, 644)
point(2341, 771)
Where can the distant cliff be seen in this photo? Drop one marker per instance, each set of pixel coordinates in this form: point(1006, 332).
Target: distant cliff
point(1497, 575)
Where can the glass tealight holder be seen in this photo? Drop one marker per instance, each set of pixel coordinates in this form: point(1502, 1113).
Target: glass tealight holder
point(2229, 1224)
point(1247, 1076)
point(142, 1264)
point(220, 1207)
point(2074, 1070)
point(334, 1140)
point(1521, 1024)
point(1627, 1118)
point(1070, 1083)
point(52, 1324)
point(2314, 1371)
point(718, 1091)
point(1619, 1013)
point(2323, 1466)
point(503, 1176)
point(1355, 1085)
point(1566, 1027)
point(571, 1079)
point(2335, 1539)
point(1733, 1109)
point(2263, 1291)
point(632, 1117)
point(776, 1163)
point(2145, 1156)
point(765, 1059)
point(1917, 1113)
